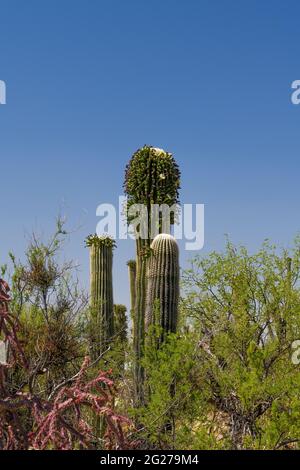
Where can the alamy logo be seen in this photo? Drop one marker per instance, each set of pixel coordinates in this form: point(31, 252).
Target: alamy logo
point(295, 97)
point(296, 353)
point(140, 221)
point(2, 92)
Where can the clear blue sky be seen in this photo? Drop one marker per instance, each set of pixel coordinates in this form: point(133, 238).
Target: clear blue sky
point(88, 82)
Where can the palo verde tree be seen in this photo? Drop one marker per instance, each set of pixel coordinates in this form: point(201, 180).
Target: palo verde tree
point(47, 300)
point(152, 177)
point(245, 309)
point(235, 359)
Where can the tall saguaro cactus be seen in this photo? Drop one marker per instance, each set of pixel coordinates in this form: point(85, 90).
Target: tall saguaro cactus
point(152, 177)
point(101, 291)
point(163, 284)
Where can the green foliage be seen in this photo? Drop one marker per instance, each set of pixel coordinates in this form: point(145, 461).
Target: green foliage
point(227, 379)
point(245, 309)
point(224, 380)
point(173, 396)
point(49, 306)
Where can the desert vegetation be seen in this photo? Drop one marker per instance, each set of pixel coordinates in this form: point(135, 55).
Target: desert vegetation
point(203, 359)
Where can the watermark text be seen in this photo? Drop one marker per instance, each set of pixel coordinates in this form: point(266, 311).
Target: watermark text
point(141, 221)
point(2, 92)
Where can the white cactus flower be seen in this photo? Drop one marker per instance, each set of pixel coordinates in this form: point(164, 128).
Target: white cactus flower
point(158, 151)
point(164, 236)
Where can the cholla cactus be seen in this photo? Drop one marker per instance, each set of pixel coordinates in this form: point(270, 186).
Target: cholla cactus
point(163, 284)
point(101, 290)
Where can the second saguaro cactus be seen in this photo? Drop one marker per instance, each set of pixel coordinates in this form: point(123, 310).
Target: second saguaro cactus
point(101, 291)
point(163, 284)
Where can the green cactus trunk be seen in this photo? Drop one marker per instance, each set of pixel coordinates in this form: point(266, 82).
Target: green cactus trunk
point(101, 292)
point(132, 283)
point(163, 284)
point(139, 319)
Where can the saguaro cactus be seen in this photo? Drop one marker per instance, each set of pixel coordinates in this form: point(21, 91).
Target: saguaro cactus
point(163, 284)
point(101, 291)
point(152, 177)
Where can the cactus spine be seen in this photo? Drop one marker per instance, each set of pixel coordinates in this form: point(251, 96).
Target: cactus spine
point(101, 291)
point(163, 284)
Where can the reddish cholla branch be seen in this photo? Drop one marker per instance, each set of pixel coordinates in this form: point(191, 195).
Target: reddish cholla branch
point(61, 421)
point(54, 430)
point(9, 325)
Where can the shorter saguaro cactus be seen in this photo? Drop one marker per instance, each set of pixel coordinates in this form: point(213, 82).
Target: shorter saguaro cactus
point(101, 291)
point(163, 284)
